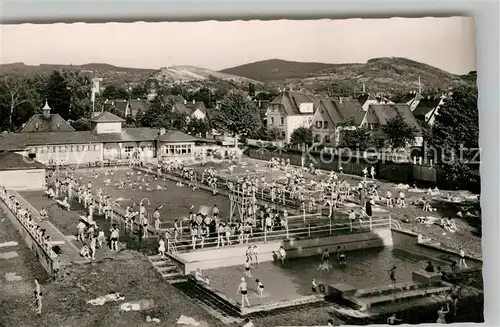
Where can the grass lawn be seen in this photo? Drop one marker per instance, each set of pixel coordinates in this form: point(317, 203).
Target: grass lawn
point(134, 277)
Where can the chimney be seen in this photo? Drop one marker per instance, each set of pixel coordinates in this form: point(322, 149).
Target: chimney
point(185, 101)
point(46, 110)
point(163, 131)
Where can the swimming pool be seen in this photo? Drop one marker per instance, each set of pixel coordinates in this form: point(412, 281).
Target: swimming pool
point(365, 268)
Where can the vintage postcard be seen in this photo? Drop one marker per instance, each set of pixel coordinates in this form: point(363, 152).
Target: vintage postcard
point(240, 173)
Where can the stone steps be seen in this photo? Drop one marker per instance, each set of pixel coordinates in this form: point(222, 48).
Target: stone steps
point(167, 269)
point(366, 302)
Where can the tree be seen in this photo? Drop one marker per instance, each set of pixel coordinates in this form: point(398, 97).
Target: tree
point(139, 92)
point(454, 141)
point(158, 115)
point(236, 115)
point(301, 135)
point(399, 133)
point(275, 134)
point(251, 89)
point(82, 124)
point(58, 94)
point(198, 127)
point(80, 87)
point(18, 91)
point(112, 92)
point(359, 138)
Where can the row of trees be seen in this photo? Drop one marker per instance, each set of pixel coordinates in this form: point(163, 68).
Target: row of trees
point(67, 93)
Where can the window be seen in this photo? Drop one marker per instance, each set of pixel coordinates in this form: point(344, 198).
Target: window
point(272, 120)
point(319, 124)
point(282, 121)
point(85, 147)
point(129, 149)
point(316, 138)
point(325, 124)
point(327, 139)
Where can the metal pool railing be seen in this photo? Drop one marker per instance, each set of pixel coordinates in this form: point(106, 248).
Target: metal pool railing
point(185, 244)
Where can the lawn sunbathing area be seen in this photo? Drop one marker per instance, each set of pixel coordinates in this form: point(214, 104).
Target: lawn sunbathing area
point(66, 303)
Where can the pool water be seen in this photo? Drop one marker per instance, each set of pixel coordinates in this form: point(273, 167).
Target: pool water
point(365, 268)
point(176, 201)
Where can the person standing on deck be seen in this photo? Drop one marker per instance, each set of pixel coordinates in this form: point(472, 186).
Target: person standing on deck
point(352, 218)
point(156, 218)
point(215, 212)
point(243, 290)
point(145, 224)
point(372, 172)
point(247, 268)
point(115, 234)
point(256, 254)
point(282, 255)
point(392, 275)
point(442, 314)
point(461, 262)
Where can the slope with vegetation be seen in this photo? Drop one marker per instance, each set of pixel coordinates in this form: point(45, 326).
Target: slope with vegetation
point(384, 75)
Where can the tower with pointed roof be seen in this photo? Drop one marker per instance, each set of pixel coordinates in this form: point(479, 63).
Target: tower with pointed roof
point(46, 110)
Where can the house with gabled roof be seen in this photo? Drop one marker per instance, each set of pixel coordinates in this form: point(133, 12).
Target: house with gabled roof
point(427, 108)
point(366, 99)
point(118, 106)
point(46, 122)
point(135, 107)
point(332, 116)
point(291, 110)
point(192, 109)
point(377, 115)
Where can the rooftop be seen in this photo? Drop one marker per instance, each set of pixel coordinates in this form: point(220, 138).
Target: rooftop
point(106, 117)
point(40, 123)
point(14, 161)
point(174, 136)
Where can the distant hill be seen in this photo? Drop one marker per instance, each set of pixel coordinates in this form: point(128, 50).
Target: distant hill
point(122, 75)
point(379, 75)
point(190, 73)
point(44, 68)
point(277, 69)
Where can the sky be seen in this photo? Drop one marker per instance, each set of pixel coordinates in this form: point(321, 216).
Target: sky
point(446, 43)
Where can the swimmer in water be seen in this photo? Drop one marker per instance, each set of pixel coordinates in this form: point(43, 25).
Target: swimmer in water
point(325, 257)
point(247, 269)
point(342, 259)
point(260, 287)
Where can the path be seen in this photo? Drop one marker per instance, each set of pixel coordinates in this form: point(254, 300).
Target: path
point(18, 269)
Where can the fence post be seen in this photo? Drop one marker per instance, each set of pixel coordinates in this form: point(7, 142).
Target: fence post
point(370, 222)
point(168, 245)
point(309, 228)
point(390, 221)
point(304, 214)
point(287, 235)
point(330, 219)
point(265, 234)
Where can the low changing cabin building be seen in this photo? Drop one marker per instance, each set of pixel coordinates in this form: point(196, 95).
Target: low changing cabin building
point(107, 140)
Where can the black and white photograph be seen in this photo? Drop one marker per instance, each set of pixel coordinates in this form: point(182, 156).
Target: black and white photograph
point(252, 173)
